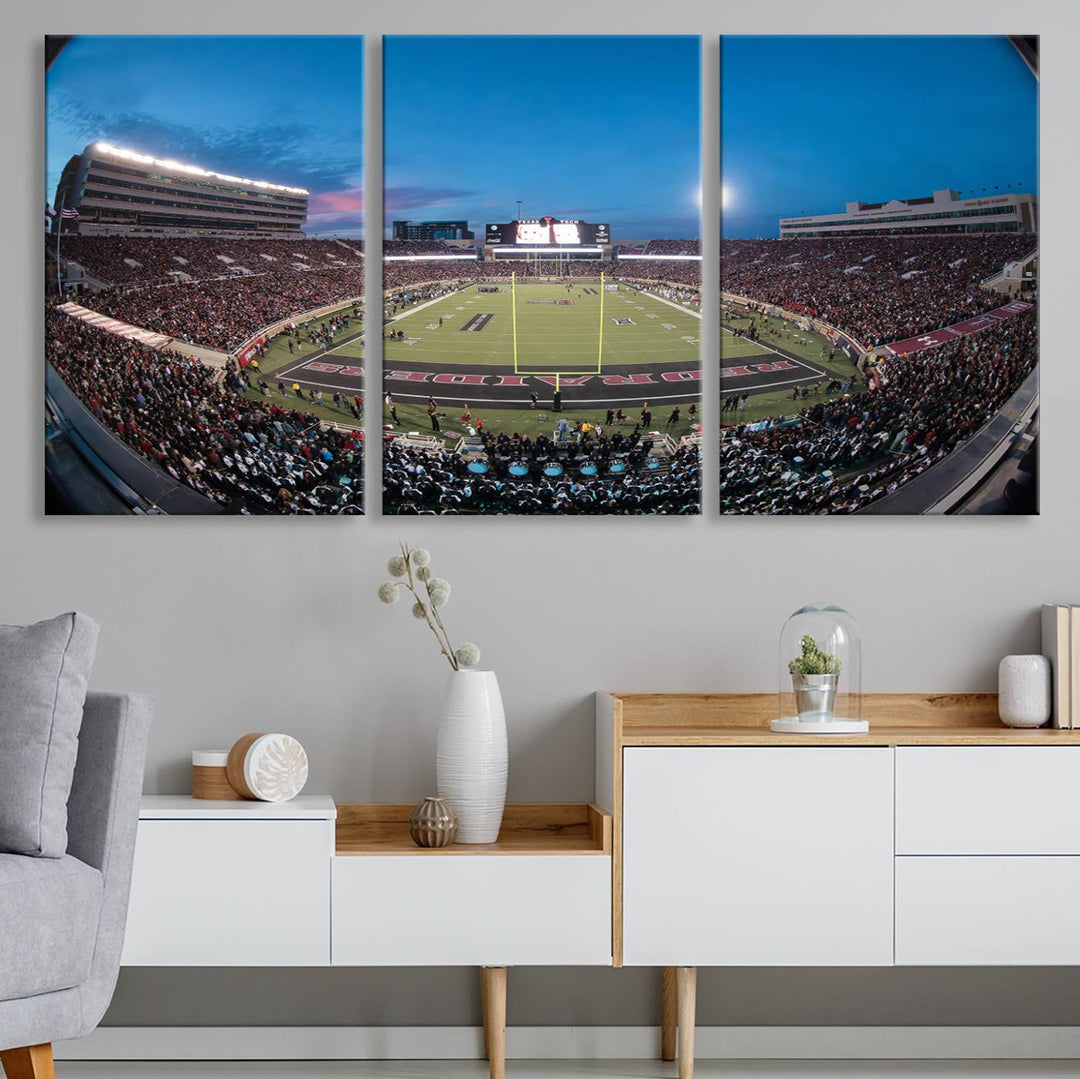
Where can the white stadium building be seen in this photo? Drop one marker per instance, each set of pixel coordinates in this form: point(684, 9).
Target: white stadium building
point(120, 192)
point(942, 212)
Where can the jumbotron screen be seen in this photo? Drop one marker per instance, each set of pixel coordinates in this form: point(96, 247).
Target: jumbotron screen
point(556, 231)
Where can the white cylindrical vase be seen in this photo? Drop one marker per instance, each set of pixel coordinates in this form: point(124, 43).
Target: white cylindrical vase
point(470, 754)
point(1024, 691)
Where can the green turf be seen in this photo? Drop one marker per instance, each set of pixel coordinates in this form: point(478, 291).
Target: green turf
point(277, 356)
point(808, 345)
point(549, 337)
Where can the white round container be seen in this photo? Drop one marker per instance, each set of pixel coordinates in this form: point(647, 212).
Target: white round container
point(1024, 698)
point(209, 779)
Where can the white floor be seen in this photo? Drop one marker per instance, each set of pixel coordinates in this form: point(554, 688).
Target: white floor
point(574, 1069)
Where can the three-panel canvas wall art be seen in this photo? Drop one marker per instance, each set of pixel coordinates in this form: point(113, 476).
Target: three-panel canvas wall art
point(536, 338)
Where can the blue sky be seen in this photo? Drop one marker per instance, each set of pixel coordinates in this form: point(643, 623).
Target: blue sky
point(287, 110)
point(809, 124)
point(601, 128)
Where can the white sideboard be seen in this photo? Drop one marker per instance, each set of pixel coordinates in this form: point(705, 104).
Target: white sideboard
point(940, 838)
point(308, 883)
point(750, 856)
point(231, 883)
point(472, 910)
point(241, 883)
point(988, 846)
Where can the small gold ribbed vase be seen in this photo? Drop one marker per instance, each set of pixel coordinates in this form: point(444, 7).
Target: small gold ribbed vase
point(433, 823)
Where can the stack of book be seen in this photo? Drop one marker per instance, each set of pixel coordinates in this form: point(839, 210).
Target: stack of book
point(1061, 645)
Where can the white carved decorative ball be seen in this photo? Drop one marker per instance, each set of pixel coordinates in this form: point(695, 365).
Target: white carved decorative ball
point(276, 767)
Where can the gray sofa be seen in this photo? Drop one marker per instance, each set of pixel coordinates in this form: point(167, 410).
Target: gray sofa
point(62, 919)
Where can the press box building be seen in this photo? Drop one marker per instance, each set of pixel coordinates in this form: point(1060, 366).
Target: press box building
point(942, 212)
point(121, 192)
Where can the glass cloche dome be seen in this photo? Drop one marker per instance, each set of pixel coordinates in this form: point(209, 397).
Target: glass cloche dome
point(820, 673)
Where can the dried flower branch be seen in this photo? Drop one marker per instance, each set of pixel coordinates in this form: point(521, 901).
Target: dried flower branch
point(412, 568)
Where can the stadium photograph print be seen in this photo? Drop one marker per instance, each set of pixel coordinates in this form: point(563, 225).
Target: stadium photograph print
point(541, 276)
point(879, 275)
point(203, 256)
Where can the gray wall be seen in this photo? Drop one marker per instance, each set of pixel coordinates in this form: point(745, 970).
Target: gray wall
point(240, 624)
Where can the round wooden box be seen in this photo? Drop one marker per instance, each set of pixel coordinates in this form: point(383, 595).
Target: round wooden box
point(208, 776)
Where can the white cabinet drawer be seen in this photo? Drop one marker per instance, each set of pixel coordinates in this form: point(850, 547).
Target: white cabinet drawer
point(472, 910)
point(241, 893)
point(988, 800)
point(763, 856)
point(981, 911)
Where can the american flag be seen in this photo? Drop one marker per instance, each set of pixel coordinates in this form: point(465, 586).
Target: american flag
point(70, 212)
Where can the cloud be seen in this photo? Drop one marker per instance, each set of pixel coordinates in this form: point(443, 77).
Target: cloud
point(419, 197)
point(348, 200)
point(335, 224)
point(289, 153)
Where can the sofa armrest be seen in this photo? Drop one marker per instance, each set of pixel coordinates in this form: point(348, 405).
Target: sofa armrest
point(103, 808)
point(103, 816)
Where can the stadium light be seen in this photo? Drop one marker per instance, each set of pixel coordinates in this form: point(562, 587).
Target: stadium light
point(725, 195)
point(659, 258)
point(428, 258)
point(194, 170)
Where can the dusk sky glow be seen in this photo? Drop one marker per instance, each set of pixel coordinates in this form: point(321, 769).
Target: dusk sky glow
point(810, 123)
point(605, 129)
point(284, 109)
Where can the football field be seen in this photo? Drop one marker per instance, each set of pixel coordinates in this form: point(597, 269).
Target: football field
point(545, 328)
point(503, 355)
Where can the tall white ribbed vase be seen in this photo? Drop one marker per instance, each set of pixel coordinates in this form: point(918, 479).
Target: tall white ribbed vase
point(470, 754)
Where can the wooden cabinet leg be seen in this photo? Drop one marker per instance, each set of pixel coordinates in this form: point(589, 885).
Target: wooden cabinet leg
point(687, 982)
point(484, 1012)
point(32, 1062)
point(493, 995)
point(669, 996)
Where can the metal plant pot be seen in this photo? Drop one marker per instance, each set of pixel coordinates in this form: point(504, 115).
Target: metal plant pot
point(815, 695)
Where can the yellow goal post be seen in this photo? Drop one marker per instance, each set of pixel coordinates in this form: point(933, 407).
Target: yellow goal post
point(557, 374)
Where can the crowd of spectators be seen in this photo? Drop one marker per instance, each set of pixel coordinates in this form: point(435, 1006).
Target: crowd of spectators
point(131, 260)
point(673, 247)
point(222, 313)
point(418, 481)
point(877, 288)
point(217, 293)
point(840, 455)
point(249, 456)
point(680, 272)
point(418, 247)
point(399, 275)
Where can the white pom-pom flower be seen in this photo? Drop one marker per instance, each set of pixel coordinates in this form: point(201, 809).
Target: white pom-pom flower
point(418, 610)
point(424, 573)
point(468, 655)
point(419, 557)
point(389, 592)
point(439, 591)
point(396, 566)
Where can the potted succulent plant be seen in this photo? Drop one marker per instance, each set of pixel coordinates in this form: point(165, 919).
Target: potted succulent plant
point(470, 751)
point(814, 677)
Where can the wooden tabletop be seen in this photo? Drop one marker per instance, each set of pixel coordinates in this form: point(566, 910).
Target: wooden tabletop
point(896, 719)
point(554, 828)
point(879, 735)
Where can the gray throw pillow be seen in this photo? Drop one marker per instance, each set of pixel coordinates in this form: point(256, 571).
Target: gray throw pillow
point(44, 669)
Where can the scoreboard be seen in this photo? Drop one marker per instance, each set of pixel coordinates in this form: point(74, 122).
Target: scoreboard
point(553, 231)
